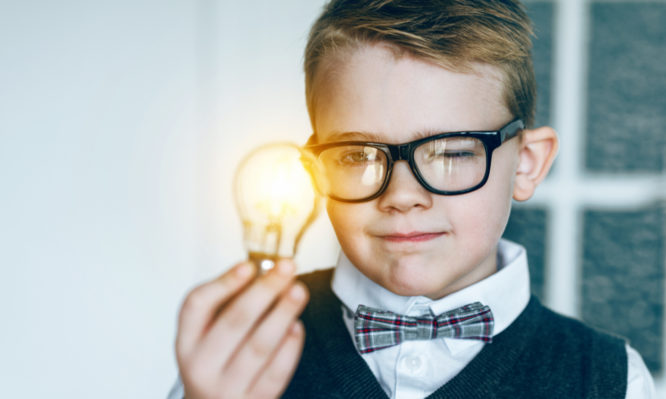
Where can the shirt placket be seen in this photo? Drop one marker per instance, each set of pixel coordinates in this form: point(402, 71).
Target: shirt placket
point(412, 362)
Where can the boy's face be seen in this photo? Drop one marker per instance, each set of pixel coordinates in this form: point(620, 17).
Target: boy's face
point(408, 240)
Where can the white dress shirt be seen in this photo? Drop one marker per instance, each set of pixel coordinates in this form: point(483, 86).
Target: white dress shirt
point(407, 371)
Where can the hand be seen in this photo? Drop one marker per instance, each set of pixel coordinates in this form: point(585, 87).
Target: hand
point(239, 337)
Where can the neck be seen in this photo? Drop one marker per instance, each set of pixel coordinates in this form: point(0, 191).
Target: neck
point(483, 270)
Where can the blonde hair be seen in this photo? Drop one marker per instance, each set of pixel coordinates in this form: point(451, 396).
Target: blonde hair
point(451, 33)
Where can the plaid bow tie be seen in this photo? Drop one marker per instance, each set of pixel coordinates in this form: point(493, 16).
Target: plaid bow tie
point(378, 329)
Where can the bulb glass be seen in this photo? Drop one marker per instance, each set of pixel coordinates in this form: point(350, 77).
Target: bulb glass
point(276, 200)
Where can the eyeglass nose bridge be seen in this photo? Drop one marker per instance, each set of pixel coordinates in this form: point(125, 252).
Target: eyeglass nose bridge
point(399, 152)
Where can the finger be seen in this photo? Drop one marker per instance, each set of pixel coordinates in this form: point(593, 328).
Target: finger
point(263, 342)
point(277, 375)
point(203, 302)
point(239, 316)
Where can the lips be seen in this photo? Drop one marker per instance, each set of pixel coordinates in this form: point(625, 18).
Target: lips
point(416, 236)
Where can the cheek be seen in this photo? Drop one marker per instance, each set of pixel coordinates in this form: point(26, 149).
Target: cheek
point(347, 220)
point(477, 217)
point(485, 212)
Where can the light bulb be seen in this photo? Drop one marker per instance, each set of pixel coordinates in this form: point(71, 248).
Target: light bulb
point(276, 201)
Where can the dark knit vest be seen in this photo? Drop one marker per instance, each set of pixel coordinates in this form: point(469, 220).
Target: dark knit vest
point(540, 355)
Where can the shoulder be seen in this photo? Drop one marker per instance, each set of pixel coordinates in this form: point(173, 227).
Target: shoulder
point(318, 279)
point(323, 303)
point(564, 330)
point(567, 350)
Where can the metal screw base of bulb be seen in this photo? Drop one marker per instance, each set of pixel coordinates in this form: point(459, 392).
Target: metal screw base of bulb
point(264, 262)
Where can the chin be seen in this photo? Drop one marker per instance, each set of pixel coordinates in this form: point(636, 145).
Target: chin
point(411, 291)
point(411, 285)
point(415, 290)
point(410, 282)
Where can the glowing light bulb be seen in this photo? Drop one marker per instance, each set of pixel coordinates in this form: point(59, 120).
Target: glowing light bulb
point(276, 201)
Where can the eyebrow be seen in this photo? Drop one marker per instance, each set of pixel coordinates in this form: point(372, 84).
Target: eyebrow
point(352, 136)
point(373, 137)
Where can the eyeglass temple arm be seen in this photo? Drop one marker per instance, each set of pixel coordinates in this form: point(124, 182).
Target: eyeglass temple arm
point(311, 140)
point(511, 130)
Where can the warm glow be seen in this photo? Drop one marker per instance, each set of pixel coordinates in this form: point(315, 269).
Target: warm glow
point(275, 197)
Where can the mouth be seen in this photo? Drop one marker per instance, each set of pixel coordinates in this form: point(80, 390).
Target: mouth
point(416, 236)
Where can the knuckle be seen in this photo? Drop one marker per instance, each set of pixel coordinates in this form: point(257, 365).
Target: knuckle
point(288, 309)
point(299, 293)
point(265, 393)
point(275, 281)
point(192, 373)
point(238, 317)
point(227, 389)
point(273, 383)
point(260, 348)
point(194, 300)
point(266, 388)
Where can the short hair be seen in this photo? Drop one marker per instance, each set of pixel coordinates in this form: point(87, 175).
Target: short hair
point(453, 34)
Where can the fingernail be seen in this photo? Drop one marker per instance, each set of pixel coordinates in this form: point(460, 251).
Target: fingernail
point(285, 267)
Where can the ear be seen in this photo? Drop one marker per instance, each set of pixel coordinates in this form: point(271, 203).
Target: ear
point(538, 149)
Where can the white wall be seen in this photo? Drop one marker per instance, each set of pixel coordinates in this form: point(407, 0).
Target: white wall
point(120, 124)
point(252, 93)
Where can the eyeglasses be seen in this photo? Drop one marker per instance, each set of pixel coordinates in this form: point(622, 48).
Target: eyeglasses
point(445, 164)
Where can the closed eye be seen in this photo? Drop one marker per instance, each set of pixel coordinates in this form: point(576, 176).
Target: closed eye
point(458, 149)
point(456, 154)
point(460, 155)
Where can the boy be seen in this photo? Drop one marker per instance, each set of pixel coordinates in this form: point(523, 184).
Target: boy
point(418, 111)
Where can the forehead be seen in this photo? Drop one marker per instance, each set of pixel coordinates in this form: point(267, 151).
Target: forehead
point(397, 98)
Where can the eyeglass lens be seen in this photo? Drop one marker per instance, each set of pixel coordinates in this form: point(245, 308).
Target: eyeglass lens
point(451, 164)
point(354, 171)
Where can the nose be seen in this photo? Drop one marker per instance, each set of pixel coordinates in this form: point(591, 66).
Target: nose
point(404, 192)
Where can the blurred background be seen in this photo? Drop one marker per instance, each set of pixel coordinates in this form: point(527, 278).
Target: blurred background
point(121, 124)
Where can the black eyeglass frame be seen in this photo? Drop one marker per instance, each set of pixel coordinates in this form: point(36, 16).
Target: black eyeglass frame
point(405, 152)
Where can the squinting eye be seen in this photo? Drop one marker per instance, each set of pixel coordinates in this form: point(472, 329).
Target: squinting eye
point(458, 154)
point(450, 154)
point(453, 149)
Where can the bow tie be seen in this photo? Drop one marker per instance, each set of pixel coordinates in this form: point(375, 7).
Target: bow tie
point(379, 329)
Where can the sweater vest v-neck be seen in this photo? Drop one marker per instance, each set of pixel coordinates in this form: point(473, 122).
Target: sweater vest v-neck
point(540, 355)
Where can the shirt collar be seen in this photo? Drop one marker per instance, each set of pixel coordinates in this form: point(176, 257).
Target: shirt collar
point(506, 292)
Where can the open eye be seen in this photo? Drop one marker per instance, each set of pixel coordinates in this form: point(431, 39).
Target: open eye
point(352, 156)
